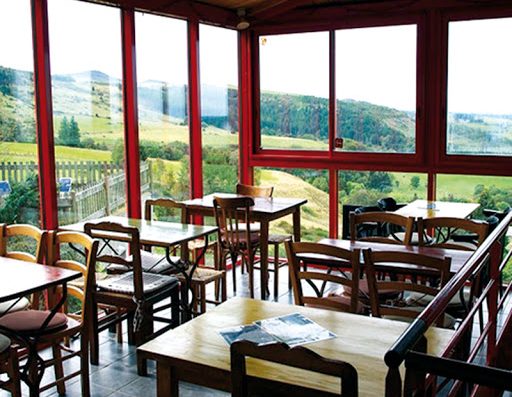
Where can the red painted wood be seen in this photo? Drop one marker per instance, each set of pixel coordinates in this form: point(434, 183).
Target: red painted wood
point(131, 120)
point(194, 111)
point(244, 107)
point(44, 115)
point(333, 204)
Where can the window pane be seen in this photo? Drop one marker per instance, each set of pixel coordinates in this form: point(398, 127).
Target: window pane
point(492, 192)
point(480, 88)
point(219, 107)
point(162, 79)
point(376, 88)
point(294, 86)
point(85, 43)
point(366, 188)
point(312, 185)
point(19, 193)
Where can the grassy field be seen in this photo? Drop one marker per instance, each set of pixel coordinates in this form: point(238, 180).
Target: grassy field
point(22, 152)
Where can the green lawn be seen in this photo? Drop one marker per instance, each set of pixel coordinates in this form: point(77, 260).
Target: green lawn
point(12, 151)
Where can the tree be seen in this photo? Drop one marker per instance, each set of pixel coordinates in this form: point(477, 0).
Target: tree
point(69, 132)
point(415, 181)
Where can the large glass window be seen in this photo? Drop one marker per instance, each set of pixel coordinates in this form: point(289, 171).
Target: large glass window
point(219, 107)
point(162, 83)
point(294, 91)
point(309, 184)
point(366, 188)
point(19, 193)
point(479, 120)
point(376, 89)
point(85, 43)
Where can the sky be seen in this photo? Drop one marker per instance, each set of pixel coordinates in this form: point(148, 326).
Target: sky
point(373, 64)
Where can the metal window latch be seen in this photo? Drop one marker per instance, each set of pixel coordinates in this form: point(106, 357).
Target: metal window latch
point(338, 143)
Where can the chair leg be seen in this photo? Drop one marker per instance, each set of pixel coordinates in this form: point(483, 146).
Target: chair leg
point(233, 269)
point(224, 287)
point(13, 370)
point(93, 334)
point(276, 270)
point(59, 370)
point(203, 298)
point(175, 307)
point(250, 269)
point(84, 365)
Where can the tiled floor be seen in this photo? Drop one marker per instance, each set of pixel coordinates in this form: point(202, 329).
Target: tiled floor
point(116, 376)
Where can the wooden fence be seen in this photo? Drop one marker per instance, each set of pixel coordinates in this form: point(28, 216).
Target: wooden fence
point(99, 188)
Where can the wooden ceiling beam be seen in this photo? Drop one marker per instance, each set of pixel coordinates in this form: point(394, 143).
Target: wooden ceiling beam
point(275, 8)
point(182, 9)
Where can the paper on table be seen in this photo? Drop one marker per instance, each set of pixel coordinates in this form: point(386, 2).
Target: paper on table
point(251, 332)
point(295, 329)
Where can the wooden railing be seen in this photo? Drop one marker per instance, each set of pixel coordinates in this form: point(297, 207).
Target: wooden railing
point(459, 366)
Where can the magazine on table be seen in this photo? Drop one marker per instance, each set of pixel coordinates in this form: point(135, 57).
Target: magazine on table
point(292, 329)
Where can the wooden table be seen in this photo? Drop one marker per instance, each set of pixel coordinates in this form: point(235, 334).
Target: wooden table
point(20, 278)
point(158, 234)
point(458, 257)
point(264, 211)
point(437, 209)
point(196, 353)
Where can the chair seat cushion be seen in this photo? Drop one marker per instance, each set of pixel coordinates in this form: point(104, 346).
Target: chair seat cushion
point(278, 238)
point(419, 299)
point(345, 300)
point(364, 291)
point(5, 342)
point(22, 304)
point(199, 244)
point(242, 236)
point(203, 275)
point(255, 227)
point(32, 320)
point(150, 263)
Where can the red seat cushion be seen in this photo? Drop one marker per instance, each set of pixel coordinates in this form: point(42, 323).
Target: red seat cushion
point(32, 320)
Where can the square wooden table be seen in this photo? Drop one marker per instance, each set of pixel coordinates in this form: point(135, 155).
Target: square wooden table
point(264, 211)
point(196, 353)
point(458, 257)
point(437, 209)
point(20, 278)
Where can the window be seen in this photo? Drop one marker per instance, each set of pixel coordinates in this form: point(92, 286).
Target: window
point(309, 184)
point(19, 193)
point(479, 120)
point(366, 188)
point(162, 83)
point(376, 89)
point(85, 43)
point(294, 91)
point(219, 108)
point(492, 192)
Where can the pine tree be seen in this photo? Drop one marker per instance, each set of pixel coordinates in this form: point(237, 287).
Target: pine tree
point(74, 133)
point(63, 131)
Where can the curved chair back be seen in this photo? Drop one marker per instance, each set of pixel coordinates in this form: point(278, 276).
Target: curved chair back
point(453, 233)
point(26, 232)
point(298, 357)
point(230, 213)
point(390, 228)
point(254, 191)
point(168, 204)
point(331, 291)
point(56, 242)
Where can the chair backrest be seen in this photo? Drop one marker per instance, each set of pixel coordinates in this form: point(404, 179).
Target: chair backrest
point(321, 282)
point(387, 204)
point(410, 273)
point(125, 234)
point(388, 225)
point(56, 243)
point(32, 233)
point(230, 213)
point(298, 357)
point(453, 233)
point(164, 203)
point(254, 191)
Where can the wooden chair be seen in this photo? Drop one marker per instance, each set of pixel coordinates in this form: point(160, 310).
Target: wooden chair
point(235, 241)
point(452, 233)
point(29, 236)
point(134, 303)
point(331, 296)
point(30, 324)
point(418, 274)
point(203, 275)
point(273, 239)
point(390, 227)
point(298, 357)
point(9, 365)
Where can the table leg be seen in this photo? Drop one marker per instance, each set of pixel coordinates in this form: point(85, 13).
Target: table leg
point(296, 225)
point(264, 258)
point(166, 381)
